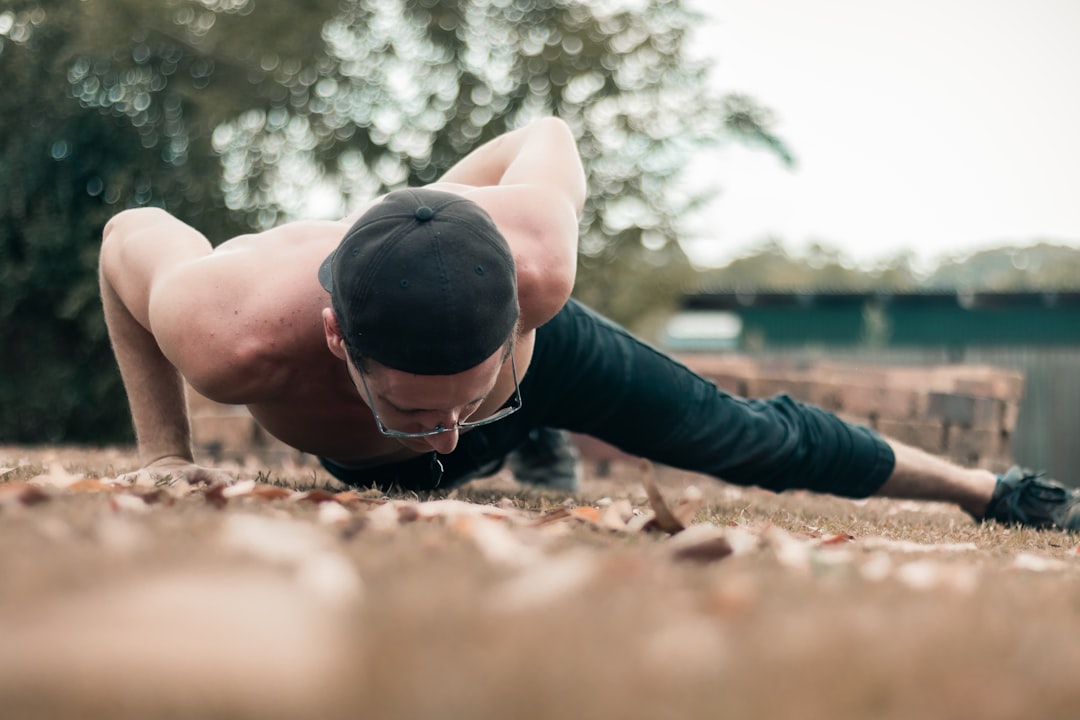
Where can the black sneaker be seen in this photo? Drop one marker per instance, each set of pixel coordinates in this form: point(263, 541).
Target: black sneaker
point(547, 459)
point(1023, 497)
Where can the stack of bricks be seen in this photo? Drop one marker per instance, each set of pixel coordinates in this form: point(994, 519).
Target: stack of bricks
point(966, 413)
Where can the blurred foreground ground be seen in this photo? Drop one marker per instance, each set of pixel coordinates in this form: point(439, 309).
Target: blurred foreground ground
point(290, 599)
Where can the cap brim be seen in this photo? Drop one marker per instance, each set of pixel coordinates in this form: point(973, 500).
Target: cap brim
point(326, 275)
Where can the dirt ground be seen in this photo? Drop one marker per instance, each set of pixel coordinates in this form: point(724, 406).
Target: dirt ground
point(285, 597)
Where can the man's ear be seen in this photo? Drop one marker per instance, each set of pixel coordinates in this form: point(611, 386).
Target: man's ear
point(334, 339)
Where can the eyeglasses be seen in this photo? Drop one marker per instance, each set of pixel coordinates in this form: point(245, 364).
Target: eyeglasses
point(505, 411)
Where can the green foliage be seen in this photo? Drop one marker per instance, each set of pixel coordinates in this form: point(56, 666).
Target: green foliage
point(821, 267)
point(1044, 266)
point(234, 114)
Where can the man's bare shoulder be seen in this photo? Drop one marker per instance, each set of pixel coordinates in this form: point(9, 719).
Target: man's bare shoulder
point(239, 322)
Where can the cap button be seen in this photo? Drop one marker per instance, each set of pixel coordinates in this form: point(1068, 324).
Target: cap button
point(424, 213)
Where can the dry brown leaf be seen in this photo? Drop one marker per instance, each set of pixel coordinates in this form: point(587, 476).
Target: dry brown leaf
point(316, 496)
point(238, 489)
point(587, 513)
point(90, 485)
point(704, 550)
point(215, 495)
point(352, 497)
point(836, 539)
point(663, 519)
point(270, 492)
point(407, 514)
point(22, 493)
point(563, 513)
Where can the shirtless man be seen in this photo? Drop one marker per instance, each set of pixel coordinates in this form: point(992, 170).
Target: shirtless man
point(419, 341)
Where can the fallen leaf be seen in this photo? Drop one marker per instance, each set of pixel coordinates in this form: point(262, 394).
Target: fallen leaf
point(239, 489)
point(663, 519)
point(90, 485)
point(837, 539)
point(5, 471)
point(215, 495)
point(270, 492)
point(316, 496)
point(701, 543)
point(560, 514)
point(22, 493)
point(590, 514)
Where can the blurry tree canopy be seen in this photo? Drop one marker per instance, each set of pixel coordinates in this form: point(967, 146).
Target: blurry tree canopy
point(239, 114)
point(821, 267)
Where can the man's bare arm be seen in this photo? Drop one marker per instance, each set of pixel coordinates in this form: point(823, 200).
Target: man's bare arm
point(139, 247)
point(542, 154)
point(532, 182)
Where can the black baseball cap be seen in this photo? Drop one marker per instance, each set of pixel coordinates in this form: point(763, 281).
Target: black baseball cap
point(423, 282)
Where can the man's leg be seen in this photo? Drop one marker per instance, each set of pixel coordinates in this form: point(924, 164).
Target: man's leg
point(548, 459)
point(605, 383)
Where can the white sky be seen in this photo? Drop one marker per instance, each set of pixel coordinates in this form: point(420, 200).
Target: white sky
point(942, 126)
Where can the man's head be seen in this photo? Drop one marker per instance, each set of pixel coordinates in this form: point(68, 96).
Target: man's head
point(423, 282)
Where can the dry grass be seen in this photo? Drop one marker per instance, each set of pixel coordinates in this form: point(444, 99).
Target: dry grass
point(274, 608)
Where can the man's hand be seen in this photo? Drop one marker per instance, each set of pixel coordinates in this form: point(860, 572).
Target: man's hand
point(169, 469)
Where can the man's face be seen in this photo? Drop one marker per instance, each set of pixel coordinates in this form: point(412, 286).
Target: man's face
point(406, 402)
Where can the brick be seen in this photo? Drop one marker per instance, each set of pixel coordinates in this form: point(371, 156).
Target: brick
point(970, 445)
point(988, 413)
point(877, 401)
point(928, 436)
point(1010, 416)
point(951, 409)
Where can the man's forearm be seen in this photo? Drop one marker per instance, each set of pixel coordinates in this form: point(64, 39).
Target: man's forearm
point(155, 389)
point(487, 164)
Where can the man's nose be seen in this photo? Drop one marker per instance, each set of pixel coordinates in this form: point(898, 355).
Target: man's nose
point(445, 442)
